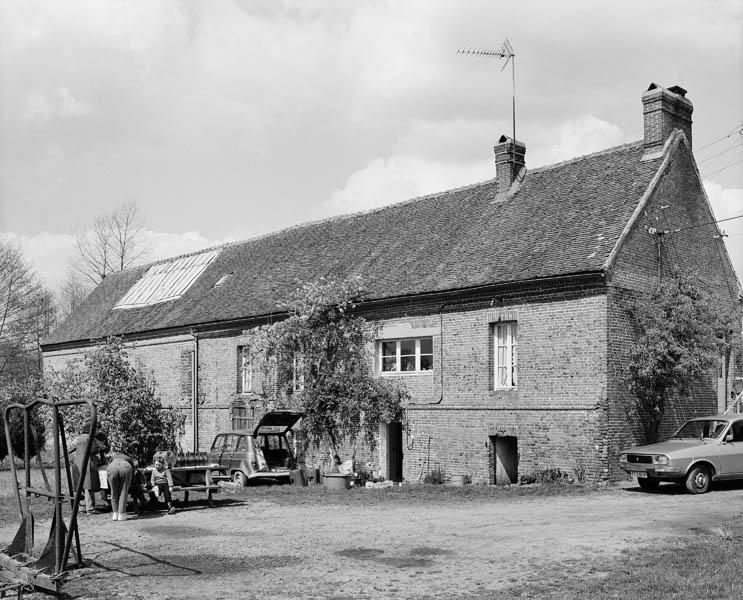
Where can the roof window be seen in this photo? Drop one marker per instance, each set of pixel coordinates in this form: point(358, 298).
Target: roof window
point(166, 281)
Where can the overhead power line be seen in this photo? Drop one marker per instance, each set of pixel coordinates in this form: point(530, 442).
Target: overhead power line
point(736, 147)
point(701, 225)
point(737, 161)
point(737, 129)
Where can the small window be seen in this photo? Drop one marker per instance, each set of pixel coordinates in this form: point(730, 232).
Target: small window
point(408, 355)
point(298, 373)
point(242, 443)
point(218, 443)
point(244, 370)
point(505, 355)
point(240, 416)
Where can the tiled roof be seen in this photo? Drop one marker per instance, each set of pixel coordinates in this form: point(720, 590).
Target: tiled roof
point(562, 219)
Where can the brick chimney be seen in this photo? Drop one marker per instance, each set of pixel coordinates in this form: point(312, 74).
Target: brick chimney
point(665, 110)
point(509, 160)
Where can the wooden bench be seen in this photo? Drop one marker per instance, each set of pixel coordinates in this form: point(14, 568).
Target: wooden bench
point(209, 489)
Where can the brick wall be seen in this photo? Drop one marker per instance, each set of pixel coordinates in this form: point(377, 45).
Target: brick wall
point(455, 411)
point(677, 203)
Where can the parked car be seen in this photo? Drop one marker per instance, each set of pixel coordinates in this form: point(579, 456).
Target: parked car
point(263, 454)
point(703, 450)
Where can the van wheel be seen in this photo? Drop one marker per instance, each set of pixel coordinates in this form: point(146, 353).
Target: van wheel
point(698, 480)
point(239, 478)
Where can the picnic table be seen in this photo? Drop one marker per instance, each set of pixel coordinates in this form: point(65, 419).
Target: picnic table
point(194, 478)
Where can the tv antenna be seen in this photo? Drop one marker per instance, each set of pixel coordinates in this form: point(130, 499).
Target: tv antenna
point(506, 51)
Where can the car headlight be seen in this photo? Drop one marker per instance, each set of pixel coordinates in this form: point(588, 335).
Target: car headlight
point(660, 459)
point(623, 457)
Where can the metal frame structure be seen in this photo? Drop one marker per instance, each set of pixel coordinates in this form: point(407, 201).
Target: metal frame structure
point(19, 562)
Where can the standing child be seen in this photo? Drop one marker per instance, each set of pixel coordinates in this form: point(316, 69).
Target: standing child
point(162, 483)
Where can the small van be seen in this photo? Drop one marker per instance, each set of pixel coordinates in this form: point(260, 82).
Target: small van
point(264, 454)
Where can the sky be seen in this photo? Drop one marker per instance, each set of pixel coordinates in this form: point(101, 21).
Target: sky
point(228, 119)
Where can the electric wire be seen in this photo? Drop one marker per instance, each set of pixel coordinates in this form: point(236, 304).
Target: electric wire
point(737, 129)
point(737, 161)
point(735, 147)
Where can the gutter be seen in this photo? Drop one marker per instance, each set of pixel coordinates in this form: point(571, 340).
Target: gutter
point(228, 326)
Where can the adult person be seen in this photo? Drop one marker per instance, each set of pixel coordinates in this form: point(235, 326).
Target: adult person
point(120, 471)
point(91, 481)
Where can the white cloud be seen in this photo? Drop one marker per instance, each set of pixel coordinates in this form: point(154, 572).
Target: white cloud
point(48, 253)
point(726, 204)
point(41, 108)
point(583, 135)
point(385, 181)
point(168, 245)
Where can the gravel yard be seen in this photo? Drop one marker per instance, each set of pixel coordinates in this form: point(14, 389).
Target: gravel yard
point(419, 542)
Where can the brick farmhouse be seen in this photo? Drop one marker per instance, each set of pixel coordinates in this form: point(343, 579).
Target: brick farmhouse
point(501, 306)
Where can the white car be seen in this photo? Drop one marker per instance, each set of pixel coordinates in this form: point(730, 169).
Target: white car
point(703, 450)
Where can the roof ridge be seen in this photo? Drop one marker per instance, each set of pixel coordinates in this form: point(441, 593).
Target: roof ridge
point(368, 211)
point(377, 209)
point(176, 257)
point(574, 159)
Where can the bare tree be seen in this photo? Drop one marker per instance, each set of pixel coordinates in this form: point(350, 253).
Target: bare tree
point(72, 292)
point(26, 314)
point(111, 243)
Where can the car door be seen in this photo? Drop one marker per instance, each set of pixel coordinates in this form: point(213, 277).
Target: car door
point(732, 452)
point(240, 456)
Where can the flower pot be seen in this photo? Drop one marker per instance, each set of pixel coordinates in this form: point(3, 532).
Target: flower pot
point(336, 481)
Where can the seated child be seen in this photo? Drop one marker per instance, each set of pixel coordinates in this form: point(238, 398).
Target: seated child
point(162, 483)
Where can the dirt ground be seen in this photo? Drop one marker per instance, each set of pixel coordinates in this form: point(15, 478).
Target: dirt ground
point(251, 547)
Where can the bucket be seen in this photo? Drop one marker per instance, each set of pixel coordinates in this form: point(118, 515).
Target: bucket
point(458, 480)
point(311, 475)
point(336, 481)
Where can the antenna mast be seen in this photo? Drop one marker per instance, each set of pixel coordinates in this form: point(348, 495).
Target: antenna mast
point(506, 51)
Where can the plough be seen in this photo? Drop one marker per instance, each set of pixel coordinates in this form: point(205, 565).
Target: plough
point(22, 566)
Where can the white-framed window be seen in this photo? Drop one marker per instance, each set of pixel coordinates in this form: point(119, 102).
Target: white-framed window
point(244, 370)
point(407, 355)
point(505, 355)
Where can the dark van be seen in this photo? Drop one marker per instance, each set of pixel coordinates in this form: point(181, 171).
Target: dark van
point(263, 454)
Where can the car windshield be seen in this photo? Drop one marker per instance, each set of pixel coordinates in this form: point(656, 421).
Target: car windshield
point(701, 428)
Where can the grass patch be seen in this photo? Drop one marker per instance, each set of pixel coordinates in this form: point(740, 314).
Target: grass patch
point(683, 569)
point(406, 494)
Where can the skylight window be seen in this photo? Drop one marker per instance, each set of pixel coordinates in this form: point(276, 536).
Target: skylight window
point(166, 281)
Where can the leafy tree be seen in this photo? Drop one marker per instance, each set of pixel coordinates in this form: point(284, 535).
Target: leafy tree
point(111, 243)
point(318, 362)
point(21, 392)
point(681, 337)
point(129, 410)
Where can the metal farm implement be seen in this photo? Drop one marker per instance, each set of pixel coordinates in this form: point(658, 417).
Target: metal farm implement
point(21, 565)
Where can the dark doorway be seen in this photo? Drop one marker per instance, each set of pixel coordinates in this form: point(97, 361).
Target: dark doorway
point(394, 451)
point(505, 459)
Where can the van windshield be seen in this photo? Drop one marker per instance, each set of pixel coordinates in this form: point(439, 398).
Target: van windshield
point(701, 428)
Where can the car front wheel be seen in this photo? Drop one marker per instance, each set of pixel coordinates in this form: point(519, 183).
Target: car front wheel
point(648, 485)
point(239, 478)
point(698, 480)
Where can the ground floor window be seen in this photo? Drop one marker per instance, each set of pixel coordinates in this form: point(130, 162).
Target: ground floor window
point(241, 415)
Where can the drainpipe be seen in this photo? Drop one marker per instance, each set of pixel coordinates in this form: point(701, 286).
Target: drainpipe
point(195, 392)
point(441, 357)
